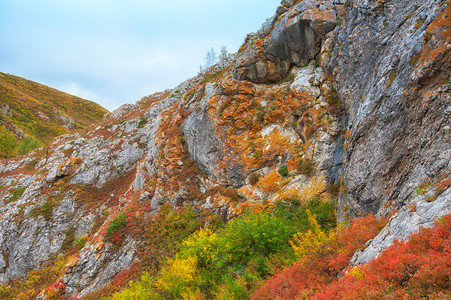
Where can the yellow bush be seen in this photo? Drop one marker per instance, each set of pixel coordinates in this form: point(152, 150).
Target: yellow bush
point(201, 245)
point(178, 275)
point(315, 240)
point(140, 290)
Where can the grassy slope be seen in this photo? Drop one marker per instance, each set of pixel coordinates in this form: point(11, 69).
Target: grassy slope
point(26, 99)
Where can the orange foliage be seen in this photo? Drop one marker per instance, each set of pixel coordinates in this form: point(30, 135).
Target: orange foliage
point(318, 268)
point(270, 183)
point(417, 269)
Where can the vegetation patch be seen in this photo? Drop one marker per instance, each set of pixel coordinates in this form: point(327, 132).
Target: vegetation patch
point(391, 78)
point(416, 269)
point(36, 280)
point(142, 122)
point(283, 171)
point(16, 194)
point(46, 210)
point(306, 167)
point(229, 262)
point(40, 113)
point(11, 146)
point(253, 179)
point(115, 231)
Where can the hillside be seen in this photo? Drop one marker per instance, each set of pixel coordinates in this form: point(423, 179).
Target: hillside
point(315, 162)
point(32, 114)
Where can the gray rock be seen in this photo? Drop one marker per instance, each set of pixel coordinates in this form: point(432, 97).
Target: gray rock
point(96, 266)
point(294, 40)
point(199, 132)
point(397, 123)
point(405, 222)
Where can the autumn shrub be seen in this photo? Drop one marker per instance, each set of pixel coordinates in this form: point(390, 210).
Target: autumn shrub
point(233, 287)
point(254, 234)
point(115, 231)
point(253, 179)
point(142, 289)
point(306, 167)
point(317, 267)
point(165, 234)
point(417, 269)
point(30, 286)
point(223, 263)
point(314, 240)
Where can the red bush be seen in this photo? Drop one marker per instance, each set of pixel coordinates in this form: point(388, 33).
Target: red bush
point(419, 268)
point(315, 271)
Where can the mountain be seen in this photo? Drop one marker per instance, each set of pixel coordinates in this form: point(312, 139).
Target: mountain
point(231, 185)
point(32, 115)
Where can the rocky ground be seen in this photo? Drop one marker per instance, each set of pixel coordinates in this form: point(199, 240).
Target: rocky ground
point(342, 100)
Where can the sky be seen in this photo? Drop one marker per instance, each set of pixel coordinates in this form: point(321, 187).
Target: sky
point(116, 51)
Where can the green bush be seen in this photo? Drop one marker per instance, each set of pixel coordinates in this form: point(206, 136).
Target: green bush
point(254, 234)
point(117, 224)
point(283, 171)
point(306, 167)
point(253, 179)
point(324, 211)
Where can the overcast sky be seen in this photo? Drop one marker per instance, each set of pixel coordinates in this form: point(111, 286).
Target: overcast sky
point(115, 51)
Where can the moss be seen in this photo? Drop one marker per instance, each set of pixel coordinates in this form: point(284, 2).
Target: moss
point(16, 194)
point(283, 171)
point(391, 77)
point(253, 179)
point(142, 122)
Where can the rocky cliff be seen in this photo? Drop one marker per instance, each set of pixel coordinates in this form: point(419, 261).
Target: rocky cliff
point(346, 101)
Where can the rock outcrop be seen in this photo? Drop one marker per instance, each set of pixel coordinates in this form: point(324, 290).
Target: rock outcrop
point(407, 221)
point(348, 96)
point(390, 62)
point(292, 37)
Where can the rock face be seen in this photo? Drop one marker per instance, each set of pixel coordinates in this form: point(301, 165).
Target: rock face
point(328, 95)
point(419, 213)
point(291, 38)
point(396, 95)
